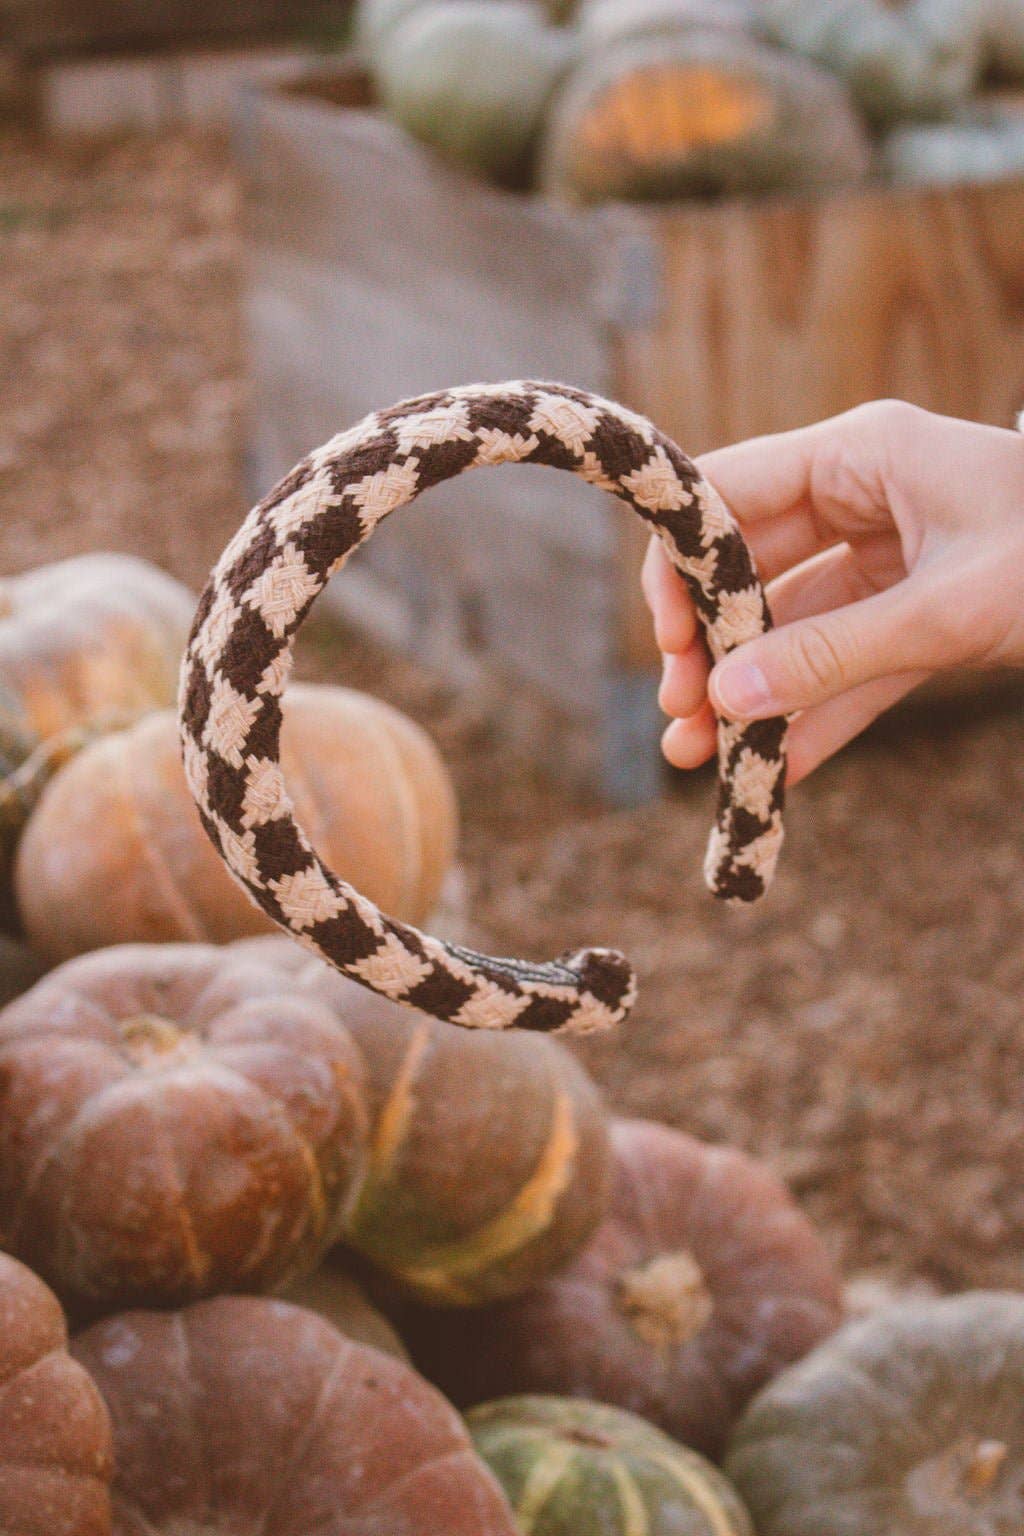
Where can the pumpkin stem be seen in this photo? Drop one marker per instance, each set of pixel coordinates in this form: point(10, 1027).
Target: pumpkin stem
point(666, 1299)
point(985, 1464)
point(149, 1040)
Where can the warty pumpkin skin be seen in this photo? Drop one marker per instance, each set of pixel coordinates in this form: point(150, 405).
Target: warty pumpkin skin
point(573, 1468)
point(174, 1122)
point(55, 1442)
point(701, 1284)
point(115, 852)
point(909, 1422)
point(489, 1158)
point(245, 1416)
point(697, 112)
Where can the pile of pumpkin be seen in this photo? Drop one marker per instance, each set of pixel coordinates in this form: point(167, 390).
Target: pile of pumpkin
point(634, 100)
point(281, 1213)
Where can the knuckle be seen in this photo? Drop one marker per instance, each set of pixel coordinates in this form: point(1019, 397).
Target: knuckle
point(816, 656)
point(885, 416)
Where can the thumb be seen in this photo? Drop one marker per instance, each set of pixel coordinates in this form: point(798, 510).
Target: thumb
point(813, 660)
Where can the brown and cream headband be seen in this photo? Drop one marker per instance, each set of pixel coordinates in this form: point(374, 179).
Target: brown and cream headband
point(239, 656)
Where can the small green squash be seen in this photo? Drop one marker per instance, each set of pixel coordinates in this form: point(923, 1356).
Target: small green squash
point(573, 1468)
point(472, 80)
point(908, 1423)
point(916, 60)
point(603, 22)
point(697, 113)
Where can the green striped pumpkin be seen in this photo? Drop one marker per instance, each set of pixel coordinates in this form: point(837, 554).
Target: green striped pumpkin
point(575, 1468)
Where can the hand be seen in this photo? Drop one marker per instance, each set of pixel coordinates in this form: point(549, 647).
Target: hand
point(891, 542)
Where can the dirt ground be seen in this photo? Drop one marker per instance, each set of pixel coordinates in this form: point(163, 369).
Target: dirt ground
point(864, 1029)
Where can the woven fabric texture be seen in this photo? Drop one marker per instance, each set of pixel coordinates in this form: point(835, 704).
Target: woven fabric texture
point(239, 656)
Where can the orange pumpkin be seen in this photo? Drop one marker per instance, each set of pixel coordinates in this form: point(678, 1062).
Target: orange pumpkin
point(702, 1283)
point(245, 1415)
point(55, 1443)
point(85, 644)
point(115, 852)
point(174, 1122)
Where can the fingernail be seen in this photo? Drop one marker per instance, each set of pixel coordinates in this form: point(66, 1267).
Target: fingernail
point(740, 689)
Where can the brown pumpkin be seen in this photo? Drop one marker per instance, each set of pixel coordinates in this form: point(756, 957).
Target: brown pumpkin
point(244, 1415)
point(702, 1283)
point(115, 852)
point(488, 1163)
point(174, 1122)
point(84, 644)
point(910, 1422)
point(332, 1292)
point(55, 1443)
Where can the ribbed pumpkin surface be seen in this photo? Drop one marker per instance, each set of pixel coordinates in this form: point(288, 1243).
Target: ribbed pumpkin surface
point(489, 1159)
point(910, 1422)
point(703, 1281)
point(573, 1468)
point(174, 1122)
point(115, 852)
point(55, 1444)
point(244, 1416)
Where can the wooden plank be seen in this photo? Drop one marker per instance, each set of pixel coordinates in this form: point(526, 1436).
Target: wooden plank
point(49, 28)
point(776, 314)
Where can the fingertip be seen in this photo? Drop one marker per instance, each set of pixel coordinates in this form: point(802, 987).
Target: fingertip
point(684, 681)
point(689, 743)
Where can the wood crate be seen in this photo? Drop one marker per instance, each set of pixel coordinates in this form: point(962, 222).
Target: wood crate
point(377, 273)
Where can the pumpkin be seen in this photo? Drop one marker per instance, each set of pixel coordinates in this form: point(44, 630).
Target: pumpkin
point(375, 20)
point(84, 644)
point(174, 1122)
point(573, 1468)
point(332, 1292)
point(701, 1284)
point(245, 1414)
point(472, 79)
point(489, 1158)
point(986, 147)
point(697, 111)
point(603, 22)
point(55, 1443)
point(916, 60)
point(115, 852)
point(908, 1422)
point(19, 969)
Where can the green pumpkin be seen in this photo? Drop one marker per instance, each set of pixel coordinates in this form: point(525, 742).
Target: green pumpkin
point(472, 80)
point(603, 22)
point(908, 1423)
point(918, 60)
point(574, 1468)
